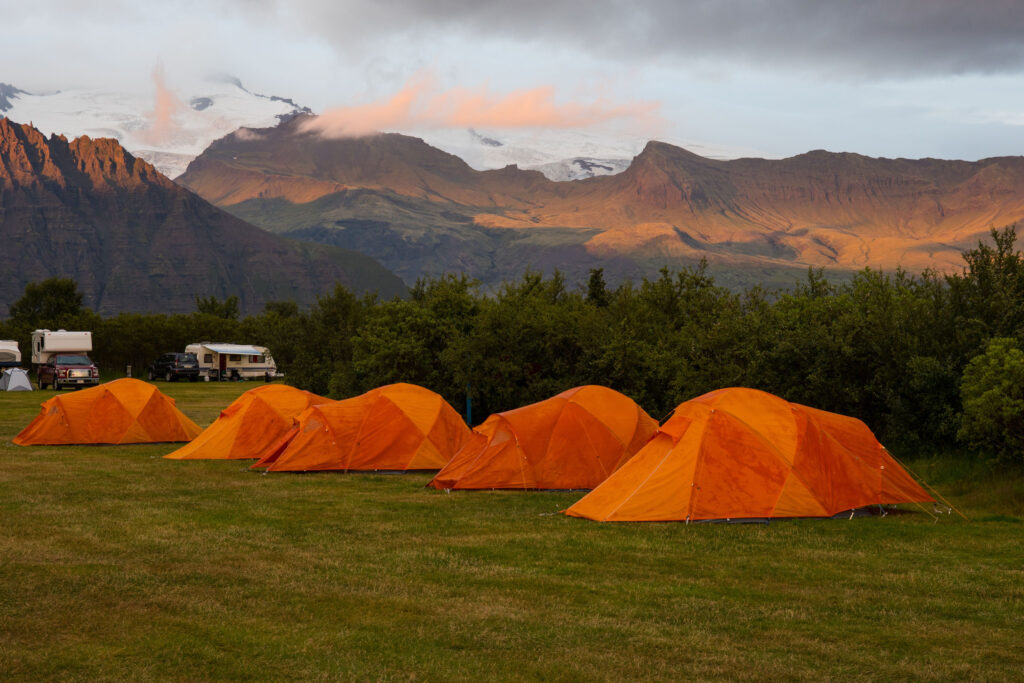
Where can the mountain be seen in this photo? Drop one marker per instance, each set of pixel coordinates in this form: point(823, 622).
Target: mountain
point(422, 211)
point(170, 128)
point(133, 240)
point(562, 154)
point(167, 129)
point(391, 195)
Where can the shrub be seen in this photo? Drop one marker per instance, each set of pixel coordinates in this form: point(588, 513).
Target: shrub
point(993, 400)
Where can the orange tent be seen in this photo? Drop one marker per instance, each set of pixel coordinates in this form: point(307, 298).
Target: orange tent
point(118, 412)
point(253, 421)
point(742, 453)
point(571, 441)
point(398, 427)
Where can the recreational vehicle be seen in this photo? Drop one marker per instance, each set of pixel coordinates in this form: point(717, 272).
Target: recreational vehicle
point(233, 361)
point(10, 354)
point(62, 359)
point(45, 343)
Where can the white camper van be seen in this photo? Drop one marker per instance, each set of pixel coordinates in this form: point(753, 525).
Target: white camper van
point(233, 361)
point(46, 343)
point(10, 354)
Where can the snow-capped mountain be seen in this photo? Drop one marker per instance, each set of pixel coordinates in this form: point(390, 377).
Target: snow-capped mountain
point(166, 128)
point(171, 127)
point(559, 154)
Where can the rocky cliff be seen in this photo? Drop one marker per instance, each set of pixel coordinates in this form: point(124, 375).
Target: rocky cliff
point(136, 241)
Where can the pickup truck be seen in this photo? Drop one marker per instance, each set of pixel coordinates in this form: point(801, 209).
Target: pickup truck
point(175, 366)
point(68, 370)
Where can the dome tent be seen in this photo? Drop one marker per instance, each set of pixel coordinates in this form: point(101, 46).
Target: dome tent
point(120, 412)
point(394, 428)
point(746, 454)
point(571, 441)
point(252, 422)
point(14, 379)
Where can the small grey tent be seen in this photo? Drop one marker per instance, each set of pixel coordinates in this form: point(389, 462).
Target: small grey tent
point(15, 379)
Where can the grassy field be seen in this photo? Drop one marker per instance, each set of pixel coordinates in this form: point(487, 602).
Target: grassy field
point(115, 563)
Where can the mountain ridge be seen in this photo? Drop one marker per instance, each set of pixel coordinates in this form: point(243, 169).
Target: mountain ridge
point(169, 139)
point(206, 109)
point(136, 241)
point(669, 207)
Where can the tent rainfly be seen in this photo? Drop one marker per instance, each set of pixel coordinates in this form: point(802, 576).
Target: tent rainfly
point(15, 379)
point(571, 441)
point(395, 428)
point(120, 412)
point(746, 454)
point(253, 421)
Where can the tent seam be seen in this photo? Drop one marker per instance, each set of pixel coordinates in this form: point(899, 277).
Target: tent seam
point(799, 476)
point(651, 474)
point(781, 456)
point(547, 446)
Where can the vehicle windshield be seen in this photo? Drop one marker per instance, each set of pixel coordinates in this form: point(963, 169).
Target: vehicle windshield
point(189, 357)
point(73, 360)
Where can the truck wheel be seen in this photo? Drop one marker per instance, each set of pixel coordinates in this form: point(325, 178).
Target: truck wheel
point(41, 383)
point(168, 376)
point(152, 375)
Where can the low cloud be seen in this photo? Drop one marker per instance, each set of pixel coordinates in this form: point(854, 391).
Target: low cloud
point(247, 135)
point(161, 121)
point(421, 104)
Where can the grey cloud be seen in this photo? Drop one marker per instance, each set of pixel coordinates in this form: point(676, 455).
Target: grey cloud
point(848, 38)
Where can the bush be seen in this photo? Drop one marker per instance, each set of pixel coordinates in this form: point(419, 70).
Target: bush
point(993, 400)
point(890, 349)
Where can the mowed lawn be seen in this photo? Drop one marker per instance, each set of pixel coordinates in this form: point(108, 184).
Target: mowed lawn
point(115, 563)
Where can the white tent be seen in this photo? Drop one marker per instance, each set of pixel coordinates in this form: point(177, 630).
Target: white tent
point(15, 379)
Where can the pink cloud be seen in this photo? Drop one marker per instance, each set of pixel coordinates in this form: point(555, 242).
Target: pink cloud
point(419, 104)
point(161, 120)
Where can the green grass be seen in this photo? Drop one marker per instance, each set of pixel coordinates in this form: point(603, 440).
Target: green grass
point(115, 563)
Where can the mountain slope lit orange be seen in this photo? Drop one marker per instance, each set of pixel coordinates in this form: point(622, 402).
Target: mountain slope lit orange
point(819, 208)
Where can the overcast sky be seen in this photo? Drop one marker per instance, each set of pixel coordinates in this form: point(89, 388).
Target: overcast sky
point(908, 78)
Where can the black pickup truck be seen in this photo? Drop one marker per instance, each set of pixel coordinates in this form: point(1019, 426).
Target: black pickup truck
point(175, 366)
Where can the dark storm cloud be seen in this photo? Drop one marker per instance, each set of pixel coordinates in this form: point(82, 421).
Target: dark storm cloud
point(849, 37)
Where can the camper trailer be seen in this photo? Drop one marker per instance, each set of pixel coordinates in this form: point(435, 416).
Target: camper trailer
point(62, 359)
point(46, 343)
point(233, 361)
point(10, 354)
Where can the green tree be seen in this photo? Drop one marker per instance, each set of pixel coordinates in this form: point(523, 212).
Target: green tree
point(597, 290)
point(52, 302)
point(987, 298)
point(281, 328)
point(227, 309)
point(400, 341)
point(282, 309)
point(323, 356)
point(669, 339)
point(993, 400)
point(528, 343)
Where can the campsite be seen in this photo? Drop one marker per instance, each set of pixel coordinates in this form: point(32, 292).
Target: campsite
point(669, 340)
point(117, 559)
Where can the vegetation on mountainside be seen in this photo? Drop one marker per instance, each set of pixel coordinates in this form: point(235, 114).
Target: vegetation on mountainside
point(910, 355)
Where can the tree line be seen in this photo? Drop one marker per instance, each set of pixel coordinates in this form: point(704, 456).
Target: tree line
point(930, 362)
